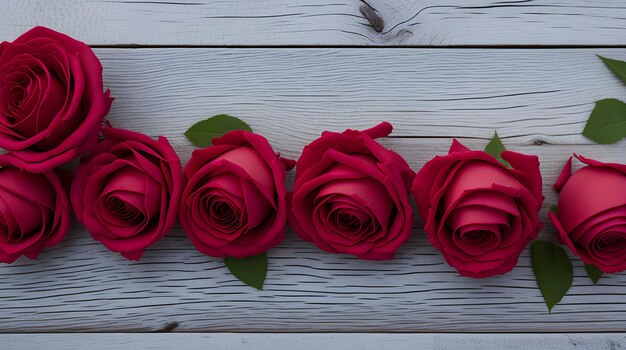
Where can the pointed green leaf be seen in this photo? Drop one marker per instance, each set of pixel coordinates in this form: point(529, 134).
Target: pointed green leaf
point(202, 132)
point(594, 273)
point(616, 66)
point(251, 270)
point(495, 149)
point(554, 209)
point(553, 271)
point(607, 122)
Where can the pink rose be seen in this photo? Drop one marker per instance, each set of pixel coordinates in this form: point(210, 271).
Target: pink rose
point(476, 211)
point(591, 217)
point(51, 99)
point(127, 192)
point(234, 202)
point(34, 211)
point(351, 195)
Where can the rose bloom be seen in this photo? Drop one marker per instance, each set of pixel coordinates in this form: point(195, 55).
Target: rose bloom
point(34, 211)
point(234, 203)
point(51, 99)
point(351, 194)
point(591, 218)
point(476, 211)
point(127, 192)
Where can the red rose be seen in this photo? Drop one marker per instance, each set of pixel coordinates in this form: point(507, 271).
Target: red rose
point(234, 202)
point(51, 99)
point(351, 195)
point(127, 192)
point(591, 217)
point(34, 211)
point(476, 211)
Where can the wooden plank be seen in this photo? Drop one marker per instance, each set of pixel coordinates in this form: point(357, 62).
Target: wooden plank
point(225, 341)
point(537, 99)
point(529, 96)
point(80, 286)
point(324, 22)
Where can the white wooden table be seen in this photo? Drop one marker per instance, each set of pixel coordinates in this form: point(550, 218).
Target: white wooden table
point(435, 69)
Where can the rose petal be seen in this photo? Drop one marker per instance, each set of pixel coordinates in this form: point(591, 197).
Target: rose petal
point(566, 173)
point(589, 191)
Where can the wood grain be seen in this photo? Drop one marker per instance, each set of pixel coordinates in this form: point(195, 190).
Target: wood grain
point(529, 96)
point(324, 22)
point(360, 341)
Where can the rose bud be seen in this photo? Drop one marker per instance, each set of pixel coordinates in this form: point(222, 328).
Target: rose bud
point(476, 211)
point(591, 218)
point(51, 99)
point(234, 203)
point(351, 194)
point(34, 211)
point(127, 192)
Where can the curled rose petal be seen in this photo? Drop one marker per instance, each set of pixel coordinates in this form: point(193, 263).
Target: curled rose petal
point(591, 217)
point(477, 212)
point(234, 203)
point(127, 192)
point(351, 194)
point(51, 99)
point(34, 211)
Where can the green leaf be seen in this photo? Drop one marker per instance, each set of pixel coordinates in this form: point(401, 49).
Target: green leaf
point(616, 66)
point(202, 132)
point(554, 209)
point(251, 270)
point(594, 273)
point(607, 122)
point(495, 149)
point(553, 271)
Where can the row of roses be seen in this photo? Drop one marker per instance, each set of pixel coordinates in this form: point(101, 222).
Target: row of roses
point(351, 195)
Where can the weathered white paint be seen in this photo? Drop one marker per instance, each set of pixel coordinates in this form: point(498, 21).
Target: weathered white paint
point(324, 22)
point(292, 95)
point(359, 341)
